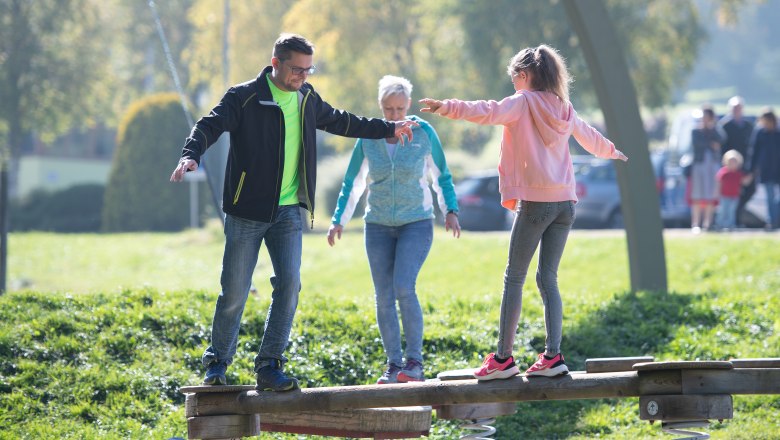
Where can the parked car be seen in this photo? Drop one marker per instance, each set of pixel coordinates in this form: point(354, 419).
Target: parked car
point(597, 191)
point(479, 203)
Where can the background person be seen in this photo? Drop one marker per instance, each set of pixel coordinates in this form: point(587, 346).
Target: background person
point(399, 222)
point(765, 165)
point(536, 179)
point(705, 141)
point(738, 132)
point(271, 173)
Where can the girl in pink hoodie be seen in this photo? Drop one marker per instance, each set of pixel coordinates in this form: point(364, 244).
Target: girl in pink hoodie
point(536, 179)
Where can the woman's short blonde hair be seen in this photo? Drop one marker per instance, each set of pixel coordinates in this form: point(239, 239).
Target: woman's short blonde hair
point(391, 85)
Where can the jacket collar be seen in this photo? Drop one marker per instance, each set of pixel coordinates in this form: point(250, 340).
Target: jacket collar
point(264, 95)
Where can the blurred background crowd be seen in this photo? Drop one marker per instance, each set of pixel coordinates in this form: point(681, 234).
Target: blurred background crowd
point(97, 97)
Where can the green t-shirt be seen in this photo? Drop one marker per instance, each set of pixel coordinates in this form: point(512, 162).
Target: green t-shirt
point(288, 101)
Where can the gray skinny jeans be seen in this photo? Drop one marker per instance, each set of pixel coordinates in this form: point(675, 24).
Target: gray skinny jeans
point(548, 223)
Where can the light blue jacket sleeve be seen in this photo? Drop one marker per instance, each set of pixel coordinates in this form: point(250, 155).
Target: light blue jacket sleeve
point(440, 172)
point(353, 186)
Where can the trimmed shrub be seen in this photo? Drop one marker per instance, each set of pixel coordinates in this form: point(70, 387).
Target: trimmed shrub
point(139, 195)
point(74, 209)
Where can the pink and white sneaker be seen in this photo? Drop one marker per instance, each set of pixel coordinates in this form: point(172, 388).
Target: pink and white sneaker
point(548, 367)
point(491, 369)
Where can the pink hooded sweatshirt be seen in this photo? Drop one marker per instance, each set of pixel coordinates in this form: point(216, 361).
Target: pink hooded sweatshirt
point(535, 164)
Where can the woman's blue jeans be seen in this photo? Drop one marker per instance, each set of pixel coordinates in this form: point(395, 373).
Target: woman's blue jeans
point(773, 203)
point(395, 255)
point(242, 244)
point(547, 223)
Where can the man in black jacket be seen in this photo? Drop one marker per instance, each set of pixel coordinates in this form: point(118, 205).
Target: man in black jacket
point(738, 133)
point(271, 172)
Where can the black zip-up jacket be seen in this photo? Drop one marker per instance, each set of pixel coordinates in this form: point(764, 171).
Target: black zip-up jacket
point(255, 164)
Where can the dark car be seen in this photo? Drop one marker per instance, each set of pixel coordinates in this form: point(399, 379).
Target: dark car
point(597, 190)
point(479, 203)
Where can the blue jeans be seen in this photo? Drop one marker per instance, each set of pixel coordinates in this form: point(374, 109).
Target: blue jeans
point(727, 212)
point(242, 244)
point(547, 223)
point(395, 255)
point(773, 203)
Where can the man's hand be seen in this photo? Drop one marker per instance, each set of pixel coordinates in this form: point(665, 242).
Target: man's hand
point(333, 232)
point(185, 164)
point(404, 128)
point(431, 105)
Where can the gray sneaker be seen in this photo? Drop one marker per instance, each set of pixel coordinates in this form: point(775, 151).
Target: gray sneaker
point(411, 372)
point(215, 374)
point(390, 375)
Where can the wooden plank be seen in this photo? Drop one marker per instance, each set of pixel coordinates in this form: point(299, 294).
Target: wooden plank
point(336, 432)
point(462, 374)
point(224, 426)
point(683, 365)
point(215, 389)
point(573, 386)
point(684, 408)
point(605, 365)
point(736, 381)
point(468, 411)
point(413, 419)
point(756, 363)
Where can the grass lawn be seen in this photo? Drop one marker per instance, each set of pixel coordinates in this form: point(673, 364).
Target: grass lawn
point(100, 331)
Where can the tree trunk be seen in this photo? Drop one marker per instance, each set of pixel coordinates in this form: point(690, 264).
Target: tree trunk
point(3, 223)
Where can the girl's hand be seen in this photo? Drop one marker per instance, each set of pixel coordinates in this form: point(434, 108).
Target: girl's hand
point(333, 231)
point(451, 222)
point(619, 155)
point(431, 105)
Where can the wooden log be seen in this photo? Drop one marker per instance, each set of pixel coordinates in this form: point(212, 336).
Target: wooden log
point(756, 363)
point(573, 386)
point(685, 408)
point(605, 365)
point(406, 422)
point(660, 382)
point(223, 427)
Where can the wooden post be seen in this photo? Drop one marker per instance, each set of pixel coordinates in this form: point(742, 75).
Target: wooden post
point(686, 408)
point(223, 427)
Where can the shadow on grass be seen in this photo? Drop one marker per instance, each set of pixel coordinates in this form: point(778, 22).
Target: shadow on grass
point(632, 324)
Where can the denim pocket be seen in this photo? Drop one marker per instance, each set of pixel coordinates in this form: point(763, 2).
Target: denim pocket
point(536, 212)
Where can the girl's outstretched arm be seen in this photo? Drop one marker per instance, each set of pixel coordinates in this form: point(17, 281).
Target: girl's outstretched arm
point(485, 112)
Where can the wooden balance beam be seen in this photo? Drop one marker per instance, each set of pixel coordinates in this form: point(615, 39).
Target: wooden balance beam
point(670, 386)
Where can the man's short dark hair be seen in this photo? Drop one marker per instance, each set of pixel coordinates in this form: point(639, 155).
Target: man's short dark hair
point(287, 43)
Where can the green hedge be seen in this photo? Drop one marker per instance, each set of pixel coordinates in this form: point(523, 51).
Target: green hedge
point(75, 209)
point(139, 196)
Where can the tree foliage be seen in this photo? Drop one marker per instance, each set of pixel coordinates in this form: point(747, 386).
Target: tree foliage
point(449, 48)
point(49, 61)
point(139, 196)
